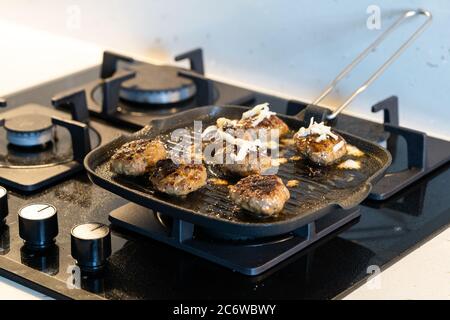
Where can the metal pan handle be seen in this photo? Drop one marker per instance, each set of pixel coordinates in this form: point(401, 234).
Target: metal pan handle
point(386, 64)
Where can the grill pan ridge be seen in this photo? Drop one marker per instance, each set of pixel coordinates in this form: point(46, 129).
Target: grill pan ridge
point(210, 207)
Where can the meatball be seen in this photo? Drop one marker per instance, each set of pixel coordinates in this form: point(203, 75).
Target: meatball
point(270, 123)
point(320, 144)
point(135, 158)
point(178, 179)
point(259, 117)
point(324, 152)
point(264, 195)
point(254, 162)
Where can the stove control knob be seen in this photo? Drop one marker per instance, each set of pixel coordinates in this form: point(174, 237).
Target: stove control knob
point(38, 224)
point(91, 245)
point(3, 205)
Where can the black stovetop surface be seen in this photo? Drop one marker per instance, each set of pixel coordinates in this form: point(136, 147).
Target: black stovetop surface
point(140, 268)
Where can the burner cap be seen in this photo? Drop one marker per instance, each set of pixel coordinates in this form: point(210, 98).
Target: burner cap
point(29, 130)
point(157, 85)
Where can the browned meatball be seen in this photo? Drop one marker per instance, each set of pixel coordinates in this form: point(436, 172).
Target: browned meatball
point(178, 179)
point(323, 152)
point(260, 165)
point(265, 195)
point(135, 158)
point(271, 123)
point(259, 117)
point(252, 163)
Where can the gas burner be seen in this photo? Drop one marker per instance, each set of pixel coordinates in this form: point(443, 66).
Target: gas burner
point(157, 85)
point(40, 140)
point(29, 130)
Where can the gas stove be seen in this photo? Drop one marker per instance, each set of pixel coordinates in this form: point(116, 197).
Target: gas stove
point(310, 264)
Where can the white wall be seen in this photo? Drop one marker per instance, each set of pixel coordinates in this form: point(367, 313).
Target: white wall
point(292, 48)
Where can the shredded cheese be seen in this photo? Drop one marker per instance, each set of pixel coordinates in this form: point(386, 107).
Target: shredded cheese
point(259, 113)
point(226, 123)
point(319, 129)
point(245, 146)
point(338, 146)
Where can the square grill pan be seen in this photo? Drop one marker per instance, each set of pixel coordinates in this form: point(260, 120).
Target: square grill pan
point(210, 207)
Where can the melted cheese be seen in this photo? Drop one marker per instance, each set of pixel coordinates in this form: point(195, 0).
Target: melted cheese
point(350, 164)
point(218, 181)
point(292, 183)
point(280, 161)
point(288, 142)
point(354, 151)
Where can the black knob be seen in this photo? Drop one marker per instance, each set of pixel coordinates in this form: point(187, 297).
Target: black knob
point(3, 205)
point(91, 245)
point(38, 225)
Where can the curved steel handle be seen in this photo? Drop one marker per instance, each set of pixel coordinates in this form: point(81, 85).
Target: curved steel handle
point(365, 53)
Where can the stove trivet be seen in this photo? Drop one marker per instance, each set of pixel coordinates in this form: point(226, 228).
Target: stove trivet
point(29, 167)
point(250, 258)
point(104, 95)
point(414, 153)
point(423, 153)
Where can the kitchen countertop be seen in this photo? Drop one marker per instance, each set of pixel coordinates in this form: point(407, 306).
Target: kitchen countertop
point(421, 274)
point(10, 290)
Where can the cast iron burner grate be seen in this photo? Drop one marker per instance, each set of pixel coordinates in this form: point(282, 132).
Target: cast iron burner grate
point(414, 153)
point(250, 257)
point(38, 147)
point(132, 93)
